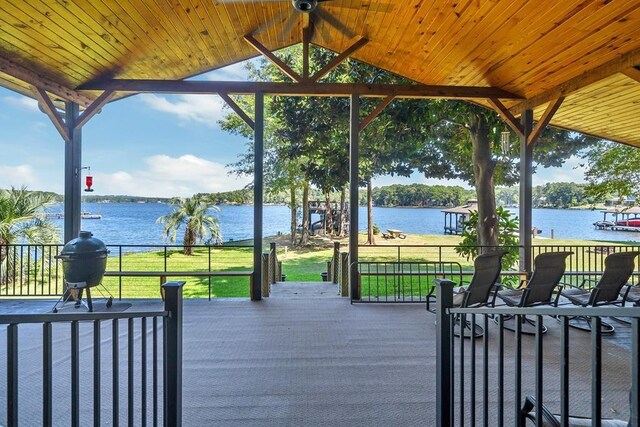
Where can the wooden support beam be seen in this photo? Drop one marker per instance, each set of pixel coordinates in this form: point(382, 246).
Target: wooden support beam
point(544, 121)
point(506, 115)
point(300, 89)
point(94, 108)
point(28, 76)
point(47, 107)
point(338, 59)
point(239, 111)
point(307, 32)
point(618, 65)
point(271, 57)
point(376, 112)
point(633, 73)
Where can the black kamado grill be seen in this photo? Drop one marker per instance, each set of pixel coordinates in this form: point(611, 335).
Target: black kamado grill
point(84, 261)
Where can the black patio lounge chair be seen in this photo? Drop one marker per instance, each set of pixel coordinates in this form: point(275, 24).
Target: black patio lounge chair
point(528, 413)
point(541, 289)
point(618, 267)
point(481, 290)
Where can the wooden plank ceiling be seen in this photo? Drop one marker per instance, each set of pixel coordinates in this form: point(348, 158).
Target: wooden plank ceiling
point(536, 49)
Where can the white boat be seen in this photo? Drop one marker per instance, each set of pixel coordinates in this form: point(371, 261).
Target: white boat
point(89, 215)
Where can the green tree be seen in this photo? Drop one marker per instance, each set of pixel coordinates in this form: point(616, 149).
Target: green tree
point(22, 219)
point(613, 170)
point(192, 213)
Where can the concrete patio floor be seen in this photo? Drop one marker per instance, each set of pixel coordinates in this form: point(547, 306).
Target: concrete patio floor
point(298, 360)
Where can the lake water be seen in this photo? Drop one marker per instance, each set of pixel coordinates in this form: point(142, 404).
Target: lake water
point(135, 223)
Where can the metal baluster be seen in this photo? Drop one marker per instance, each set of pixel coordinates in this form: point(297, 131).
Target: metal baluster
point(463, 319)
point(518, 368)
point(564, 370)
point(500, 370)
point(485, 372)
point(130, 373)
point(539, 370)
point(115, 369)
point(75, 374)
point(47, 375)
point(472, 364)
point(154, 362)
point(12, 375)
point(635, 372)
point(596, 368)
point(96, 373)
point(143, 376)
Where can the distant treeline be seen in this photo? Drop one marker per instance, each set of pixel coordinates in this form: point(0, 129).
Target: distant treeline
point(552, 195)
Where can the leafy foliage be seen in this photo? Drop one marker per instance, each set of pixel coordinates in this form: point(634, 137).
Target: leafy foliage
point(613, 171)
point(192, 212)
point(507, 237)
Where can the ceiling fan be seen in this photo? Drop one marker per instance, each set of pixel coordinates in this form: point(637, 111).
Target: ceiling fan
point(310, 9)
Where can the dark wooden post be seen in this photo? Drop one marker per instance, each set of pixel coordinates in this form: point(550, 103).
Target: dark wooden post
point(258, 163)
point(354, 133)
point(172, 366)
point(72, 173)
point(526, 185)
point(444, 360)
point(272, 261)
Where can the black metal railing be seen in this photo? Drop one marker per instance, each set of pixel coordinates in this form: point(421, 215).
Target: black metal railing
point(403, 281)
point(34, 270)
point(485, 381)
point(95, 368)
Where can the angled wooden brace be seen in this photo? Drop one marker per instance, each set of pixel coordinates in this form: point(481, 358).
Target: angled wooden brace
point(376, 112)
point(47, 107)
point(271, 57)
point(506, 115)
point(544, 121)
point(338, 59)
point(239, 111)
point(94, 108)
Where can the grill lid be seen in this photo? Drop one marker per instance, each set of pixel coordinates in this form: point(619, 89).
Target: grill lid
point(84, 246)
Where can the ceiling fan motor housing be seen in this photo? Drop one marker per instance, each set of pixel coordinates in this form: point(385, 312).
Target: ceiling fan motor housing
point(305, 6)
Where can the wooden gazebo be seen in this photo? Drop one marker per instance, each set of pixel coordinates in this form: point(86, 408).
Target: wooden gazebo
point(571, 64)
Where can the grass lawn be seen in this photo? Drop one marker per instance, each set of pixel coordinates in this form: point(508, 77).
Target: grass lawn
point(298, 264)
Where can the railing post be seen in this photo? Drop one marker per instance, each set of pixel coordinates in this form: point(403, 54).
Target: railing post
point(444, 382)
point(329, 270)
point(265, 275)
point(272, 260)
point(172, 365)
point(344, 268)
point(335, 261)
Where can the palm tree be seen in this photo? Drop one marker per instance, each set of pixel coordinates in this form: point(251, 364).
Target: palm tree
point(192, 212)
point(22, 220)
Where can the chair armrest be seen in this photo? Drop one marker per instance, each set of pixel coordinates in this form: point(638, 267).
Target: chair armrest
point(445, 282)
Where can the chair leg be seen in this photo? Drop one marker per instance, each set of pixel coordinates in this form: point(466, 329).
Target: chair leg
point(476, 330)
point(528, 325)
point(583, 323)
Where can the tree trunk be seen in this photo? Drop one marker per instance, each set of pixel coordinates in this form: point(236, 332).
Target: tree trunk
point(294, 214)
point(328, 217)
point(343, 197)
point(304, 236)
point(189, 240)
point(370, 237)
point(483, 170)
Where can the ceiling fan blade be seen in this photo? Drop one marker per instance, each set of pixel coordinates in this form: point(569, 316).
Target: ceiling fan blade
point(331, 20)
point(380, 7)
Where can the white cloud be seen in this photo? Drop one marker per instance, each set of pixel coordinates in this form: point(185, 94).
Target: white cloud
point(166, 176)
point(205, 109)
point(22, 102)
point(573, 170)
point(18, 176)
point(233, 72)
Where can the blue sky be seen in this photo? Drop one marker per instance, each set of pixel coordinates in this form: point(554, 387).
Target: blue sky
point(149, 145)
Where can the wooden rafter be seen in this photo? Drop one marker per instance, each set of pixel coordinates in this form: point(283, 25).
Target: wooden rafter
point(338, 59)
point(300, 89)
point(239, 111)
point(47, 107)
point(633, 73)
point(271, 57)
point(94, 108)
point(621, 64)
point(541, 125)
point(376, 112)
point(16, 71)
point(506, 115)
